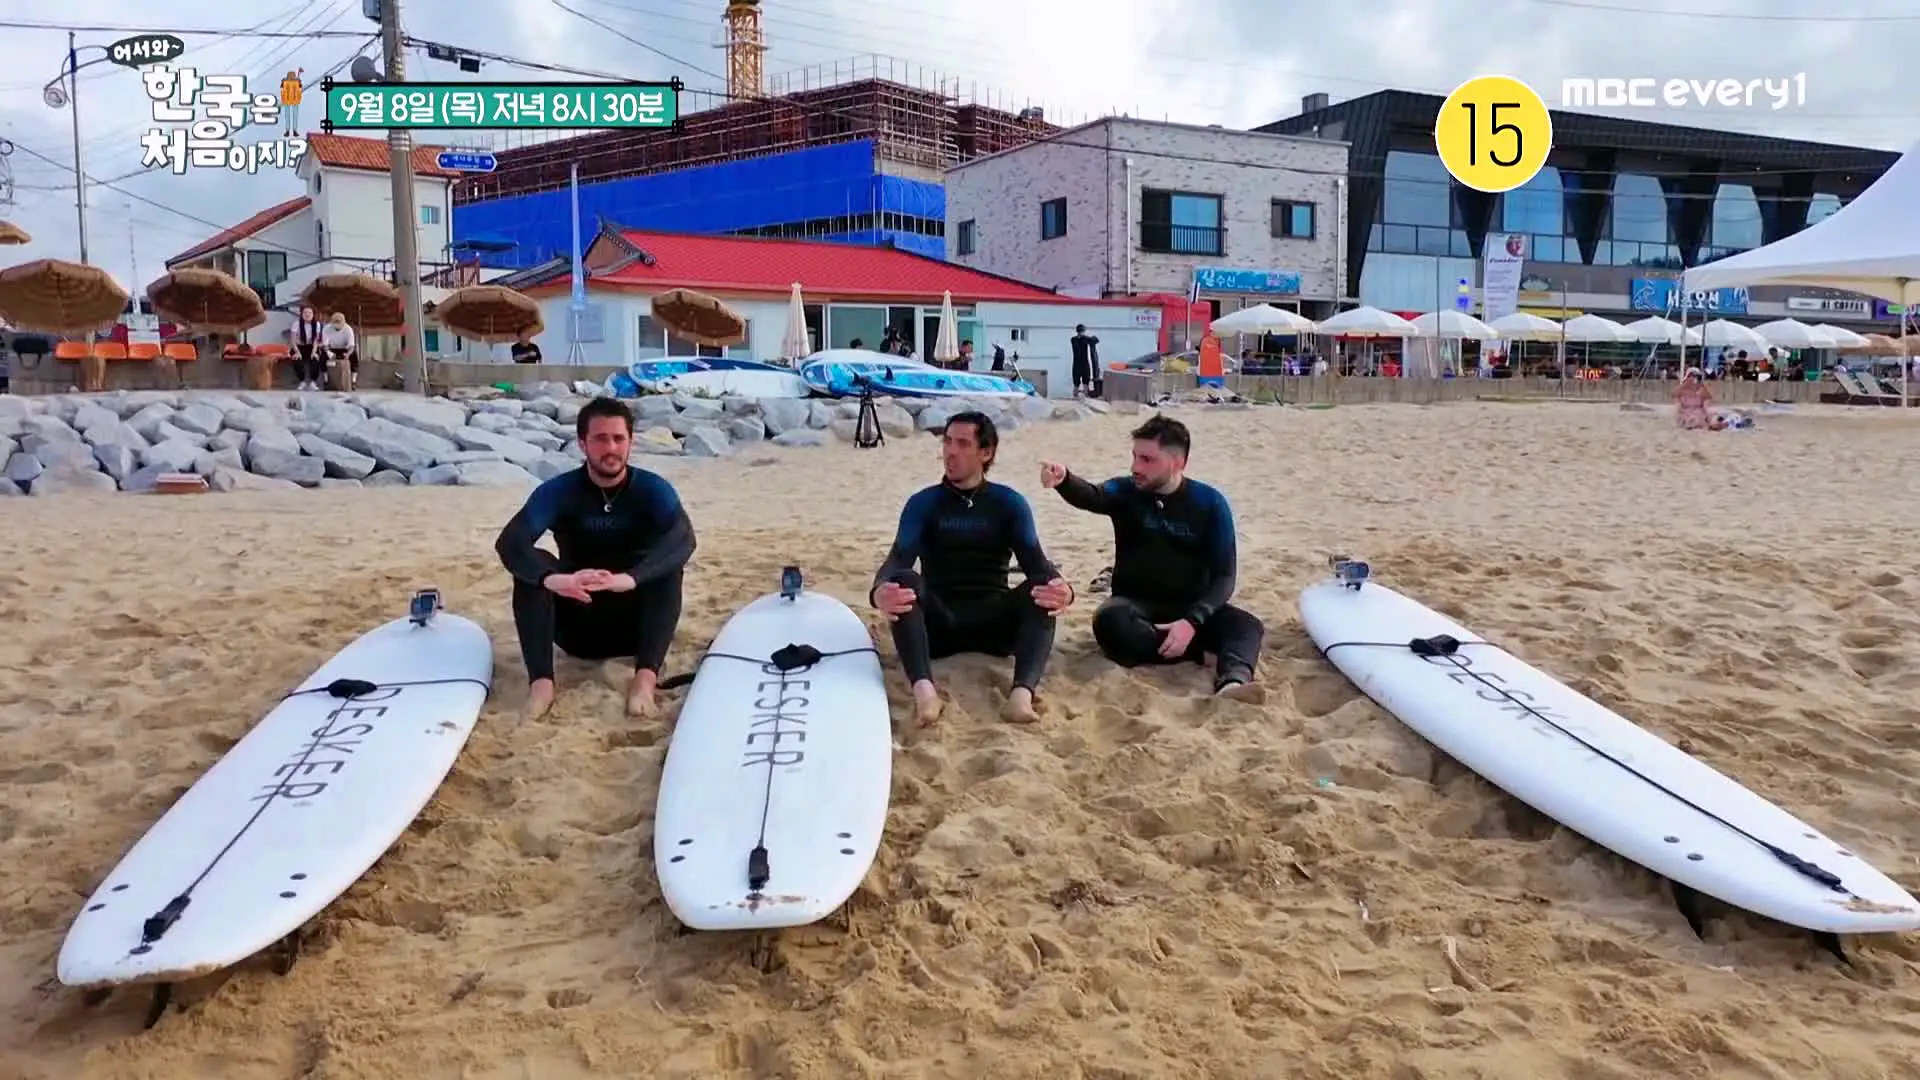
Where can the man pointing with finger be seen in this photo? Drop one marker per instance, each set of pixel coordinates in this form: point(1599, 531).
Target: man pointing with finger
point(1174, 563)
point(964, 532)
point(614, 590)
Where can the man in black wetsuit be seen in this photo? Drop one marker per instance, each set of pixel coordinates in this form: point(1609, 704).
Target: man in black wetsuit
point(964, 532)
point(614, 591)
point(1174, 563)
point(1086, 359)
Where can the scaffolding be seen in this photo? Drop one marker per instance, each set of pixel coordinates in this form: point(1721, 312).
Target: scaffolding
point(929, 127)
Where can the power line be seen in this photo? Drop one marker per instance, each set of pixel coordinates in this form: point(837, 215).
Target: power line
point(1824, 18)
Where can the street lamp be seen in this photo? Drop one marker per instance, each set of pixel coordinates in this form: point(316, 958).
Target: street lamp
point(59, 96)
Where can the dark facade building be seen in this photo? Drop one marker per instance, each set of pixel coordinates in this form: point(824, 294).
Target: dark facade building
point(1621, 203)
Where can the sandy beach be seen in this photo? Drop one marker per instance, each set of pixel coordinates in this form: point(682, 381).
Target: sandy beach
point(1149, 884)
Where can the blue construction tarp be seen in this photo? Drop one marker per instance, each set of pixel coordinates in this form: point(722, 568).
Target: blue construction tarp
point(820, 184)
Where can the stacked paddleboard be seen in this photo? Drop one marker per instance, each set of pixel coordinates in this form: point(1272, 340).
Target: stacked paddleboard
point(1591, 769)
point(294, 814)
point(774, 793)
point(848, 372)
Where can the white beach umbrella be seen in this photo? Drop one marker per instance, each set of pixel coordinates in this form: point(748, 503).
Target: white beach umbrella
point(1368, 322)
point(1453, 324)
point(796, 342)
point(1591, 328)
point(1263, 319)
point(1843, 338)
point(1794, 334)
point(1655, 330)
point(946, 346)
point(1721, 334)
point(1523, 326)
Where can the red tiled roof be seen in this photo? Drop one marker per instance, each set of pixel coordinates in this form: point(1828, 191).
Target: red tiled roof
point(352, 152)
point(756, 265)
point(225, 237)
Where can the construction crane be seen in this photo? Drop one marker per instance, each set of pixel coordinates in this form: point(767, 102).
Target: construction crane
point(746, 47)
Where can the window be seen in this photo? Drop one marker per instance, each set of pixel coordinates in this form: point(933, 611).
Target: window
point(653, 342)
point(1180, 223)
point(1053, 219)
point(1292, 220)
point(963, 237)
point(320, 238)
point(429, 215)
point(316, 183)
point(847, 324)
point(265, 269)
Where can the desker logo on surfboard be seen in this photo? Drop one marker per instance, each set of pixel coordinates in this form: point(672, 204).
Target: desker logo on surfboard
point(779, 725)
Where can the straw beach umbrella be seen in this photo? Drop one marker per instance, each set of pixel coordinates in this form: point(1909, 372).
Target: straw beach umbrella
point(207, 301)
point(489, 313)
point(369, 303)
point(699, 318)
point(11, 234)
point(53, 296)
point(796, 342)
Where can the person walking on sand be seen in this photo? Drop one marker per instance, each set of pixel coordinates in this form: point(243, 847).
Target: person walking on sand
point(1175, 561)
point(614, 589)
point(964, 532)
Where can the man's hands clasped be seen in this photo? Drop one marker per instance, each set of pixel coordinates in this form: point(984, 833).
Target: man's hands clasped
point(580, 585)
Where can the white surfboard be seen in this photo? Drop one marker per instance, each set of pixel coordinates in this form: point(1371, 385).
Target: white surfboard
point(737, 382)
point(1595, 771)
point(294, 813)
point(774, 793)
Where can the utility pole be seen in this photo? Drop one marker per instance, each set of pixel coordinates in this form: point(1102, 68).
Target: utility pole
point(406, 237)
point(73, 106)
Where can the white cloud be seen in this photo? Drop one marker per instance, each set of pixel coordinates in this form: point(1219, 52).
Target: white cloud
point(1201, 61)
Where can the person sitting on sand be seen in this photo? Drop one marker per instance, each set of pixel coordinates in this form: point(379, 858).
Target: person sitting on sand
point(1693, 403)
point(614, 590)
point(1174, 563)
point(964, 532)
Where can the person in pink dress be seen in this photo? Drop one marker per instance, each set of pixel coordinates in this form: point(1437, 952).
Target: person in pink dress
point(1693, 403)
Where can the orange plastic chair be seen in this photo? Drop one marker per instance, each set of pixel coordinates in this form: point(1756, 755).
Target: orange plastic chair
point(142, 350)
point(109, 350)
point(70, 351)
point(180, 352)
point(232, 352)
point(272, 349)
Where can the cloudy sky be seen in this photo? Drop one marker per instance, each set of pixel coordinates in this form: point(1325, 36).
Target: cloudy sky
point(1231, 62)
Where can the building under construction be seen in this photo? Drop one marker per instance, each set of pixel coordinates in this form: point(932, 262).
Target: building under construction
point(858, 160)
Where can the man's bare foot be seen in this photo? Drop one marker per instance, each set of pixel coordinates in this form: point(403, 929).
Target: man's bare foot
point(540, 695)
point(1019, 707)
point(927, 705)
point(641, 704)
point(1235, 690)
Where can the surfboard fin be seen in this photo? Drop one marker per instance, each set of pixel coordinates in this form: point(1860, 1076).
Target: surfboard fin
point(1688, 902)
point(162, 997)
point(1830, 941)
point(286, 954)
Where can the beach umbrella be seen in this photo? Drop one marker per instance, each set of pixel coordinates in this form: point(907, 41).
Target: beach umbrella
point(699, 318)
point(1843, 338)
point(14, 234)
point(1654, 330)
point(1264, 319)
point(489, 313)
point(1368, 322)
point(796, 342)
point(1453, 324)
point(1876, 345)
point(369, 303)
point(1591, 328)
point(207, 301)
point(1794, 334)
point(53, 296)
point(1722, 334)
point(1525, 326)
point(946, 344)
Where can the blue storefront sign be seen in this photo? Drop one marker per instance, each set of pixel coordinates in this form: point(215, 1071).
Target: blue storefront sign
point(1223, 279)
point(1662, 295)
point(1884, 310)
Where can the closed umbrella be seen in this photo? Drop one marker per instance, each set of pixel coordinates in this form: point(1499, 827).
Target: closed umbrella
point(699, 318)
point(946, 344)
point(489, 313)
point(796, 342)
point(207, 301)
point(54, 296)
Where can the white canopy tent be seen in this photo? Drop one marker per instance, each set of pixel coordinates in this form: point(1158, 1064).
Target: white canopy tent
point(1870, 246)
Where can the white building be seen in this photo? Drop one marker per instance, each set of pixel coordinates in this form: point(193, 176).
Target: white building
point(852, 297)
point(342, 224)
point(1124, 207)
